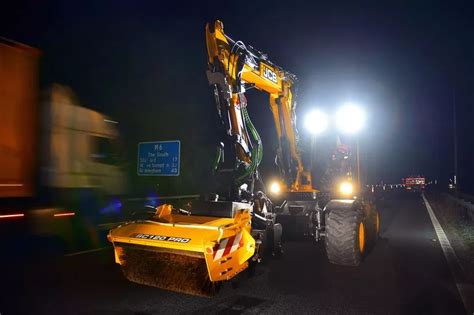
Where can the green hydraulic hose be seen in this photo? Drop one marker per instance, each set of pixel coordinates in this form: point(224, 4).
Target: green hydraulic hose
point(257, 152)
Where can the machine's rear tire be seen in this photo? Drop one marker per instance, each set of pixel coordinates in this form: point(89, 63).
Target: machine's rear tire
point(345, 235)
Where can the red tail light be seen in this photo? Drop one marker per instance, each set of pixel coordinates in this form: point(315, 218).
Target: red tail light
point(15, 215)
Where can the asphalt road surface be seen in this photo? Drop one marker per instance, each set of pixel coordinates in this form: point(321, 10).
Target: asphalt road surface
point(406, 273)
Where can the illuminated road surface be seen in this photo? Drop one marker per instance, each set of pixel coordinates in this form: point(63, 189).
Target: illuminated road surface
point(405, 273)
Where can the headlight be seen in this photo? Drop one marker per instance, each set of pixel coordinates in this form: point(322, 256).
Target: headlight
point(350, 119)
point(275, 188)
point(316, 122)
point(346, 188)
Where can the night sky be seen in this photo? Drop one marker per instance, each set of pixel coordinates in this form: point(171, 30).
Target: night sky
point(144, 64)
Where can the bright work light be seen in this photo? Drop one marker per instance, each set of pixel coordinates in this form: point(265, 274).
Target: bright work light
point(316, 122)
point(350, 119)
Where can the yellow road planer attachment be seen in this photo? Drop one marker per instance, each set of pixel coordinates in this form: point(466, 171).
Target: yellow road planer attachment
point(186, 253)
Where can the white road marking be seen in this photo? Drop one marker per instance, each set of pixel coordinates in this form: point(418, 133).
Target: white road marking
point(466, 290)
point(88, 251)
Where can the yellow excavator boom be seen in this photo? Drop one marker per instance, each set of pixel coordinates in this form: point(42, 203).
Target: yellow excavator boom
point(242, 66)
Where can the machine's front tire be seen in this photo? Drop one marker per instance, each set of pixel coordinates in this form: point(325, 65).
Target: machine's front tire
point(345, 235)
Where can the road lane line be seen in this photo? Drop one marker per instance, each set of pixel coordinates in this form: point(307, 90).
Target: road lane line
point(466, 290)
point(87, 251)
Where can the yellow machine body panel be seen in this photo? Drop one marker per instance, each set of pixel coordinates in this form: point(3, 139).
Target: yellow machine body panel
point(223, 245)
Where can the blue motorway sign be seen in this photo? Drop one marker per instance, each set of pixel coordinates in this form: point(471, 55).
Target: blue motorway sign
point(159, 158)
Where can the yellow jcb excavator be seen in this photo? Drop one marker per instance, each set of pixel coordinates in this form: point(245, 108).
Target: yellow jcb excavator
point(213, 239)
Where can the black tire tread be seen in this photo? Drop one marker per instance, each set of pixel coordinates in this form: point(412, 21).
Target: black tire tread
point(342, 245)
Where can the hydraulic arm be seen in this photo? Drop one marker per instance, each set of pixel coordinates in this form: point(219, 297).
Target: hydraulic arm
point(234, 68)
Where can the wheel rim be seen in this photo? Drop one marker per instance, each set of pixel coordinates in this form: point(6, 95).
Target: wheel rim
point(361, 237)
point(378, 223)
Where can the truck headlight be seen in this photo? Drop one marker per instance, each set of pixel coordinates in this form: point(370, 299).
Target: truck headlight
point(346, 188)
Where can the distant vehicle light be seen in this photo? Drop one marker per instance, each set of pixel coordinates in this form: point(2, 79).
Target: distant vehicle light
point(15, 215)
point(64, 214)
point(346, 188)
point(316, 122)
point(110, 121)
point(275, 188)
point(350, 119)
